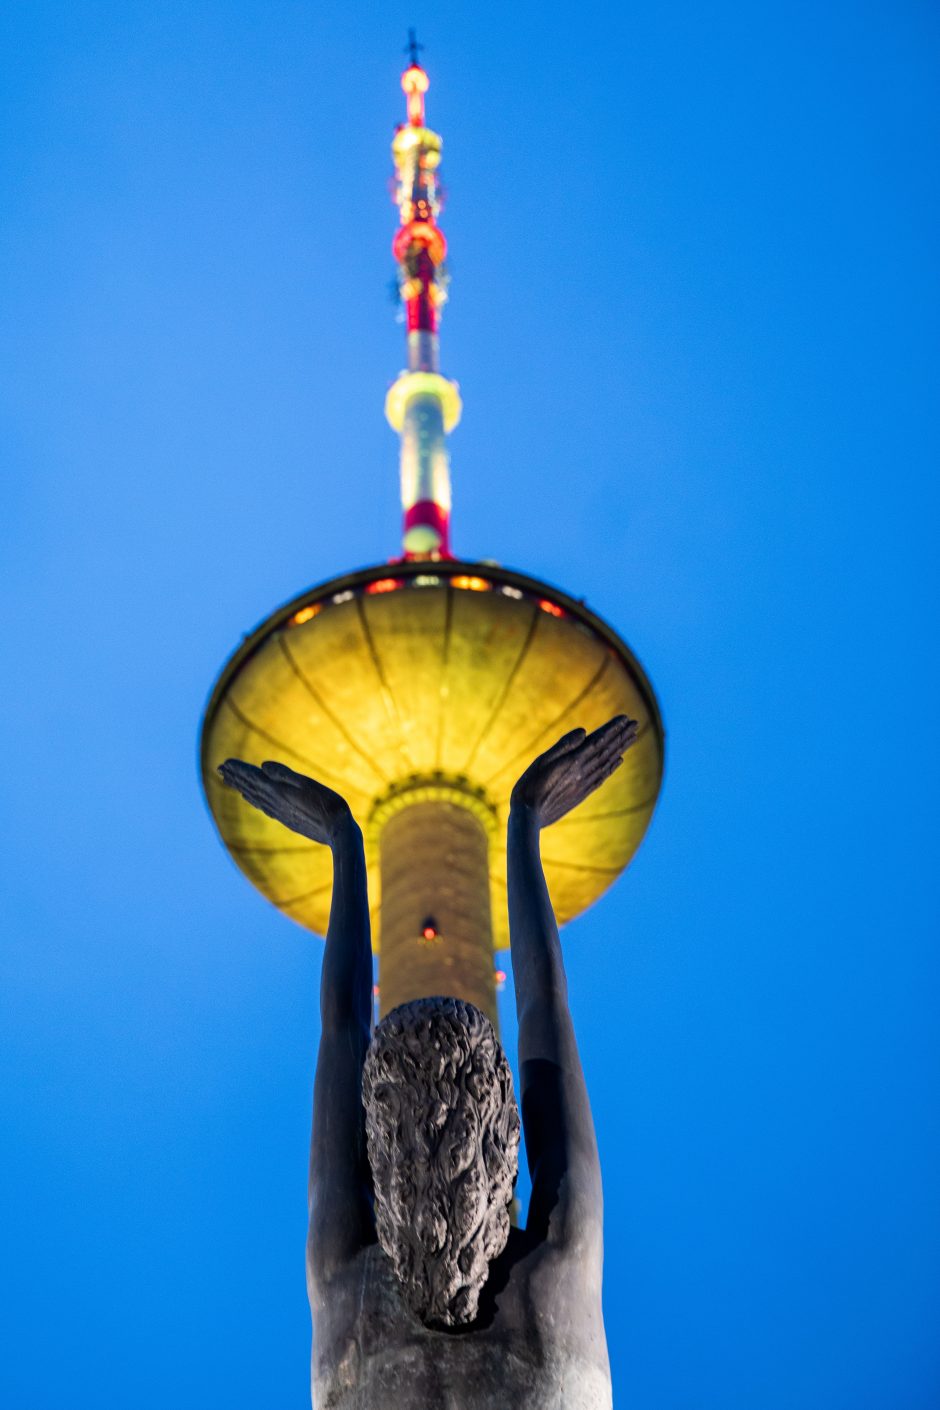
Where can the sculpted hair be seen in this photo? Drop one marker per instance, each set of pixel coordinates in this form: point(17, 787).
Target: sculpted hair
point(442, 1127)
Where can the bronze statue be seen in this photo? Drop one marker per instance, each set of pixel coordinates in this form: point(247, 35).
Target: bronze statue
point(422, 1294)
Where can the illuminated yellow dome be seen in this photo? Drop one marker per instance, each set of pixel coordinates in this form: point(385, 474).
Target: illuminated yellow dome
point(430, 674)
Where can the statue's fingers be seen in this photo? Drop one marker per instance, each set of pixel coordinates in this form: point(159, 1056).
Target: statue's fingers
point(593, 757)
point(272, 808)
point(611, 734)
point(254, 796)
point(241, 776)
point(611, 768)
point(263, 805)
point(236, 772)
point(259, 792)
point(595, 777)
point(272, 769)
point(578, 786)
point(235, 766)
point(598, 761)
point(611, 741)
point(568, 741)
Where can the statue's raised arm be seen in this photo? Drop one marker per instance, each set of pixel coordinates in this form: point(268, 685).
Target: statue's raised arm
point(565, 1206)
point(340, 1209)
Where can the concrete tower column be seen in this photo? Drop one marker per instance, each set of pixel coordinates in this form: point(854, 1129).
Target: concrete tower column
point(434, 862)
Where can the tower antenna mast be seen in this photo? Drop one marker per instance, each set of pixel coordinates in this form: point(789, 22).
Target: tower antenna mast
point(422, 406)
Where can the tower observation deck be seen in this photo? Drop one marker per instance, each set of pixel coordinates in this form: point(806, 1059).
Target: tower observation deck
point(420, 689)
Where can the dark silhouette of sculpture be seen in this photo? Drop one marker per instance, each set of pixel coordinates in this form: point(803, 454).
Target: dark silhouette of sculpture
point(421, 1293)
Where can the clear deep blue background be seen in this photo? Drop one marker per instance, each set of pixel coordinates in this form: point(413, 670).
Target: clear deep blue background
point(694, 320)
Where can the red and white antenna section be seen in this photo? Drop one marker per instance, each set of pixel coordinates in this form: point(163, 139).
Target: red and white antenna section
point(421, 405)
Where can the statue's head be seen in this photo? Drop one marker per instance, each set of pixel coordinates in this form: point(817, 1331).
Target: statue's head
point(443, 1134)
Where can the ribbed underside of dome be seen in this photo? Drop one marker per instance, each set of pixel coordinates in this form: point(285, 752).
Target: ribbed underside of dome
point(463, 671)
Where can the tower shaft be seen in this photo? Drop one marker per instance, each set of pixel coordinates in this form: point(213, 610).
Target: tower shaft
point(436, 926)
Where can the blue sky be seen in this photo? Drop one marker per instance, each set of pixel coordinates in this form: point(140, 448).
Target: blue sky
point(694, 319)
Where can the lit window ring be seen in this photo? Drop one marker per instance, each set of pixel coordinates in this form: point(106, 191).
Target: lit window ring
point(304, 614)
point(470, 584)
point(551, 608)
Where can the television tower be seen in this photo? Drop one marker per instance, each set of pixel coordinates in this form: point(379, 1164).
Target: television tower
point(420, 689)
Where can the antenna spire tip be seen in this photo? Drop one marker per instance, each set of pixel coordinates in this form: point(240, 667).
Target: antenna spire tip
point(413, 48)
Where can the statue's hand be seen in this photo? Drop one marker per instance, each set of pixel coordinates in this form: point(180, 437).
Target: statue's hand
point(564, 775)
point(298, 802)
